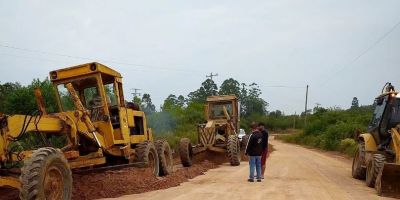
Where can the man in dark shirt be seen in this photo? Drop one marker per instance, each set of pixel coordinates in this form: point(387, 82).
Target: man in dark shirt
point(254, 149)
point(264, 155)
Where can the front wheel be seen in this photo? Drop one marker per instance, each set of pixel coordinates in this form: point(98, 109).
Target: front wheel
point(233, 149)
point(185, 152)
point(46, 175)
point(374, 166)
point(357, 170)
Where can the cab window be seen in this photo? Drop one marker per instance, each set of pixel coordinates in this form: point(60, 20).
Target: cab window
point(216, 109)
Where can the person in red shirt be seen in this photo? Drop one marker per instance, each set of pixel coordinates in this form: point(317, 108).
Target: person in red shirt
point(254, 149)
point(264, 155)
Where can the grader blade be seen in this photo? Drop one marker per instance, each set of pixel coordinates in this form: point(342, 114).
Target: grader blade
point(388, 181)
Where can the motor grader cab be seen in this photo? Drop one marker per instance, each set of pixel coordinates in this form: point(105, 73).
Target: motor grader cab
point(219, 133)
point(377, 159)
point(99, 128)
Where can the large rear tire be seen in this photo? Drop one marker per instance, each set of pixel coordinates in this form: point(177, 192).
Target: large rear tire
point(185, 152)
point(165, 157)
point(374, 166)
point(233, 150)
point(358, 171)
point(46, 175)
point(147, 153)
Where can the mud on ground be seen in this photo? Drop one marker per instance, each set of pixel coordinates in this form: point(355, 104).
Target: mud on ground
point(130, 180)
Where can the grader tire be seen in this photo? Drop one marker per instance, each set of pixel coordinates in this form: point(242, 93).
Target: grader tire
point(147, 153)
point(245, 140)
point(185, 152)
point(357, 171)
point(165, 157)
point(233, 149)
point(373, 168)
point(46, 175)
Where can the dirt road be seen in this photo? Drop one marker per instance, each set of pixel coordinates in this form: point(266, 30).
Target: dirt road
point(293, 172)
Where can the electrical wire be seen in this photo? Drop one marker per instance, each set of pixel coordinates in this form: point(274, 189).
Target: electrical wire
point(93, 59)
point(355, 59)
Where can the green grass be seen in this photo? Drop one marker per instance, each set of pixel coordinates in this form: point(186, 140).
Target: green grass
point(347, 146)
point(332, 130)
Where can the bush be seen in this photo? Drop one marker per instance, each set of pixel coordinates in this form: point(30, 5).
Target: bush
point(348, 146)
point(333, 130)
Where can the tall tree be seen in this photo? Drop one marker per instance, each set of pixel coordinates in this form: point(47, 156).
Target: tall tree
point(208, 88)
point(354, 103)
point(22, 99)
point(147, 104)
point(5, 90)
point(253, 103)
point(230, 86)
point(172, 102)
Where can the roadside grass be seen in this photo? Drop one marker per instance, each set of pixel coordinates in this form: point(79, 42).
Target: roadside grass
point(346, 146)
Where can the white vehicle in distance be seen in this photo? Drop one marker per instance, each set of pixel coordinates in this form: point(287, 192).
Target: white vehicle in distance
point(241, 134)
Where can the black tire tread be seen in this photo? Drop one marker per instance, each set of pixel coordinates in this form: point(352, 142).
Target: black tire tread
point(359, 172)
point(185, 152)
point(233, 150)
point(142, 151)
point(378, 160)
point(31, 173)
point(166, 164)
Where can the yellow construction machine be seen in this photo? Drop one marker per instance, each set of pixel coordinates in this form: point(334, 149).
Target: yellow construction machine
point(99, 128)
point(377, 159)
point(219, 133)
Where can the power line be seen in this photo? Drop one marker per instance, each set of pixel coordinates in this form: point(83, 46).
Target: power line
point(93, 59)
point(282, 86)
point(374, 44)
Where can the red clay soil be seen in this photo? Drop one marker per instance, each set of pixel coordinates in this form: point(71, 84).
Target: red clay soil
point(115, 183)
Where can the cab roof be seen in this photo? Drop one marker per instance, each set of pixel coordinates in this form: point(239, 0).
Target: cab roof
point(80, 70)
point(221, 98)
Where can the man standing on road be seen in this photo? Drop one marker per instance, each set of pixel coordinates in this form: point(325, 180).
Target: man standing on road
point(264, 155)
point(254, 149)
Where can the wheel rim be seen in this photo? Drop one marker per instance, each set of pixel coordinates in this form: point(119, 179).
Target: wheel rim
point(53, 184)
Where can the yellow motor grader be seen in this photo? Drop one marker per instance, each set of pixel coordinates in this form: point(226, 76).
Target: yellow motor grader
point(219, 133)
point(99, 128)
point(377, 159)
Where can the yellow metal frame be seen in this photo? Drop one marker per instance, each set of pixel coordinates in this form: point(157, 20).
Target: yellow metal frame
point(369, 141)
point(71, 122)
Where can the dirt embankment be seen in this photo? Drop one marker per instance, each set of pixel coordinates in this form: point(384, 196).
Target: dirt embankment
point(115, 183)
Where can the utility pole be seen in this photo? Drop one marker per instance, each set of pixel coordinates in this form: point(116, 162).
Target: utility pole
point(136, 93)
point(211, 75)
point(305, 110)
point(294, 120)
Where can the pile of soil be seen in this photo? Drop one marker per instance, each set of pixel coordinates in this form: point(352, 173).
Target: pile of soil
point(115, 183)
point(131, 180)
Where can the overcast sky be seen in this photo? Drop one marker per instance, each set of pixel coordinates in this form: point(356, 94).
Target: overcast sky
point(341, 49)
